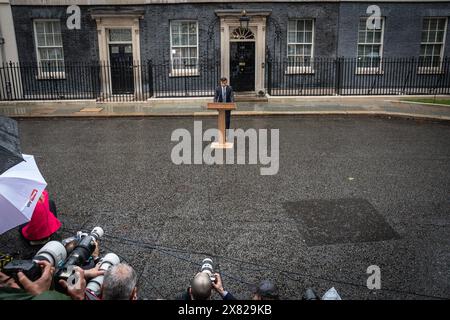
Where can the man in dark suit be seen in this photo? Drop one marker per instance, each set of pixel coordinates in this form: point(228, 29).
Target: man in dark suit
point(224, 93)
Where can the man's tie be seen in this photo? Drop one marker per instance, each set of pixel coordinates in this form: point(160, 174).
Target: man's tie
point(224, 94)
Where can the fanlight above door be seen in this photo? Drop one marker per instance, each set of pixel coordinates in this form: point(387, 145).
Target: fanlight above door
point(242, 34)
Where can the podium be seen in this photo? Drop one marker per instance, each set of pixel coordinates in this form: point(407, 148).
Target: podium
point(221, 107)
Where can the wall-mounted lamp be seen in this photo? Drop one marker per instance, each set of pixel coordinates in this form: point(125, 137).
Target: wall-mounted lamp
point(244, 20)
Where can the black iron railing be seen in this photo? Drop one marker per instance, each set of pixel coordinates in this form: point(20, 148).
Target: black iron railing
point(184, 80)
point(139, 81)
point(352, 76)
point(106, 82)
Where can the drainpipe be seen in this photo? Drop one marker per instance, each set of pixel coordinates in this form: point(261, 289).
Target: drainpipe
point(8, 52)
point(2, 47)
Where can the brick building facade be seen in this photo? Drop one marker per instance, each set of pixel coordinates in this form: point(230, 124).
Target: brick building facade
point(185, 36)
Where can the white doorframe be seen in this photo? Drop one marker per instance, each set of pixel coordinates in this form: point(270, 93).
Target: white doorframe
point(258, 27)
point(111, 21)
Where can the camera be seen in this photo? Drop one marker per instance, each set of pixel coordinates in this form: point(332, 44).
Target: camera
point(53, 252)
point(207, 267)
point(79, 255)
point(71, 242)
point(74, 251)
point(95, 285)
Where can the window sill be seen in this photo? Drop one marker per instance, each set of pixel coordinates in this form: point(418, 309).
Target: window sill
point(430, 70)
point(369, 71)
point(184, 73)
point(299, 70)
point(51, 76)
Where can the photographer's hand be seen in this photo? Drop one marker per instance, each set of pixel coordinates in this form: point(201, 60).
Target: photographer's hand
point(96, 252)
point(8, 281)
point(40, 285)
point(218, 286)
point(75, 289)
point(94, 272)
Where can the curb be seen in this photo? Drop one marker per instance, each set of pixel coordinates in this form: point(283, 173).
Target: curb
point(174, 100)
point(240, 113)
point(422, 103)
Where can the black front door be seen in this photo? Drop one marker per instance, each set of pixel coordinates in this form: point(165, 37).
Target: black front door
point(121, 59)
point(242, 66)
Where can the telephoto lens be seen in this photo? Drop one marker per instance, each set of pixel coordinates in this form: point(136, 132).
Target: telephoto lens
point(79, 255)
point(53, 252)
point(207, 266)
point(95, 285)
point(97, 232)
point(71, 242)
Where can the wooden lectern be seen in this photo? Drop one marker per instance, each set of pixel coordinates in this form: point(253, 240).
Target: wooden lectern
point(221, 107)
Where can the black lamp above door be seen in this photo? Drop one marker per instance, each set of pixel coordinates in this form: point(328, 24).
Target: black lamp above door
point(244, 20)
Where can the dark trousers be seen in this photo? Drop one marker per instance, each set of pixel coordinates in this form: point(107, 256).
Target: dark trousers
point(227, 119)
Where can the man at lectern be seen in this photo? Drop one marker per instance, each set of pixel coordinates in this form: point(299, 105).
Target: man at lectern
point(224, 93)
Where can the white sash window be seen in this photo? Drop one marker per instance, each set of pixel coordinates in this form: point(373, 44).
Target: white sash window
point(49, 48)
point(184, 48)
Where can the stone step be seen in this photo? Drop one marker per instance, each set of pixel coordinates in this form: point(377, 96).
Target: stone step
point(249, 97)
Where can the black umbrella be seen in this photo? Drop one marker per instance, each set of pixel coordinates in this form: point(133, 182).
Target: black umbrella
point(10, 153)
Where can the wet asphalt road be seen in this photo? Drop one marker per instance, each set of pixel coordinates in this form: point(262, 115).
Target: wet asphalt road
point(350, 193)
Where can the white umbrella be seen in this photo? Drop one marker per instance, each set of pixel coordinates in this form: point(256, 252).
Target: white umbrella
point(20, 189)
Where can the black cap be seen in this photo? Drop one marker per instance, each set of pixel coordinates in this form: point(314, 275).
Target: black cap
point(267, 289)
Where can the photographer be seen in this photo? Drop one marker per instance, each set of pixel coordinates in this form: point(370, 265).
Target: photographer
point(41, 288)
point(77, 290)
point(120, 283)
point(36, 290)
point(201, 288)
point(267, 290)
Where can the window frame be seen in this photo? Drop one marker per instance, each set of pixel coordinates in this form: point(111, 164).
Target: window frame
point(300, 69)
point(48, 74)
point(119, 41)
point(433, 70)
point(109, 42)
point(370, 70)
point(183, 72)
